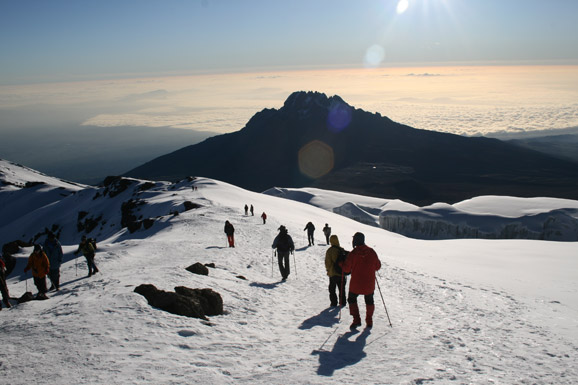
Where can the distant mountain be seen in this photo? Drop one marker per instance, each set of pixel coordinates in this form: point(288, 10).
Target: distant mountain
point(320, 141)
point(560, 146)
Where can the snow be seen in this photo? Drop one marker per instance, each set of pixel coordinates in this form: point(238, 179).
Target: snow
point(463, 311)
point(488, 217)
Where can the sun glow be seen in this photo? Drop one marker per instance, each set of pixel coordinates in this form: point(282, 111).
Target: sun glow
point(402, 6)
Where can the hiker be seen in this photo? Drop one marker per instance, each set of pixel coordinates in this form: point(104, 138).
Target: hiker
point(310, 230)
point(246, 210)
point(337, 279)
point(252, 211)
point(88, 250)
point(53, 251)
point(285, 246)
point(38, 262)
point(362, 262)
point(3, 286)
point(327, 232)
point(264, 217)
point(230, 231)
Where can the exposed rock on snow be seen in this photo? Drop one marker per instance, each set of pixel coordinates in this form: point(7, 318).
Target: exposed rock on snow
point(172, 302)
point(198, 268)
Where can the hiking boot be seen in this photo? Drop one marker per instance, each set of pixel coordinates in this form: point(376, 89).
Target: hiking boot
point(7, 303)
point(355, 324)
point(354, 311)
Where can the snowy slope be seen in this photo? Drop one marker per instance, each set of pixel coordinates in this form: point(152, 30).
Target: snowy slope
point(487, 217)
point(463, 311)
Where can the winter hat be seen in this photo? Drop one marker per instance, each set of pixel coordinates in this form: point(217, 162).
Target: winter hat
point(358, 239)
point(37, 247)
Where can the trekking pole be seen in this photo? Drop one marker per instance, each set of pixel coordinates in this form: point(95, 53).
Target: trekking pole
point(382, 300)
point(272, 261)
point(341, 294)
point(295, 263)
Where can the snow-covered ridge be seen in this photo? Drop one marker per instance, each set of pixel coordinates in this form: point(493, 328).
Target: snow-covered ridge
point(458, 315)
point(487, 217)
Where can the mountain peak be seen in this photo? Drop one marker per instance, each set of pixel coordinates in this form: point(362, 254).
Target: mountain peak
point(305, 100)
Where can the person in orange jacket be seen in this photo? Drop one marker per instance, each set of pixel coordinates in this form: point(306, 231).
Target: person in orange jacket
point(362, 262)
point(38, 262)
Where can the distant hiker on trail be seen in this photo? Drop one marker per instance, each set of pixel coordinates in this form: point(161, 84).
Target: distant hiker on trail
point(246, 210)
point(230, 231)
point(252, 214)
point(327, 232)
point(362, 262)
point(285, 246)
point(38, 262)
point(3, 286)
point(53, 251)
point(334, 256)
point(88, 250)
point(310, 230)
point(264, 217)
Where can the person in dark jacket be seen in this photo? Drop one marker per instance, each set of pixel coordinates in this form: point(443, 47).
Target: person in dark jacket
point(252, 211)
point(285, 246)
point(327, 232)
point(246, 209)
point(53, 251)
point(3, 286)
point(362, 262)
point(88, 250)
point(38, 262)
point(310, 230)
point(264, 217)
point(230, 231)
point(337, 280)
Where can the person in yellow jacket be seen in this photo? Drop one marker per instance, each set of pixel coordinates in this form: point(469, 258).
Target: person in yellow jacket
point(337, 280)
point(38, 262)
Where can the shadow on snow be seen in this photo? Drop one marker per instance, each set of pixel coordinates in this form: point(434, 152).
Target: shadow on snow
point(345, 352)
point(327, 318)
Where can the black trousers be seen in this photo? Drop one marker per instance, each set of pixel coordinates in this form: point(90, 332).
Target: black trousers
point(352, 298)
point(335, 282)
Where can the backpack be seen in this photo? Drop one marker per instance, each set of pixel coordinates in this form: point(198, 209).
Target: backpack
point(283, 243)
point(93, 243)
point(340, 259)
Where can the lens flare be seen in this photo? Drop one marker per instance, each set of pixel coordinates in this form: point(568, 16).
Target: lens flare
point(315, 159)
point(374, 56)
point(402, 6)
point(339, 117)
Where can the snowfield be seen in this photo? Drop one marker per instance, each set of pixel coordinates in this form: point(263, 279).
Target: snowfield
point(463, 311)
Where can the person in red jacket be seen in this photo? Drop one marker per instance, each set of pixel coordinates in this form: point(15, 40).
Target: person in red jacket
point(362, 262)
point(38, 262)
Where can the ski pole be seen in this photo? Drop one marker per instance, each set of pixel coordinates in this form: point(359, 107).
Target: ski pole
point(295, 263)
point(382, 300)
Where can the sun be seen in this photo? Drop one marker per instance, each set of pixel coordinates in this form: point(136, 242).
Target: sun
point(402, 6)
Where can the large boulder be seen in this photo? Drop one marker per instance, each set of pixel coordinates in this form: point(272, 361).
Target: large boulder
point(171, 302)
point(210, 300)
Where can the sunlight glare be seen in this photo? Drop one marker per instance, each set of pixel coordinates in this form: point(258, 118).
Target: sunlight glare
point(402, 6)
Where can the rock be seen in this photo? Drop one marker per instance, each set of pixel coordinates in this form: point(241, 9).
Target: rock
point(171, 302)
point(210, 300)
point(211, 265)
point(198, 268)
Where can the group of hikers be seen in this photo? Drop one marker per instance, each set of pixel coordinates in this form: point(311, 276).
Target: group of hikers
point(361, 263)
point(45, 261)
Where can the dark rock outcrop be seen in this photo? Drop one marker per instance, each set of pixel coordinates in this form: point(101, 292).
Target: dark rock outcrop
point(198, 268)
point(171, 302)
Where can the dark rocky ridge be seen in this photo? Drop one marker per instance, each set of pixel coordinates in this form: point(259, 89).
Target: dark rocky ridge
point(372, 155)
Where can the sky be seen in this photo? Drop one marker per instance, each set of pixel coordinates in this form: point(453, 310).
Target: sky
point(59, 40)
point(469, 67)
